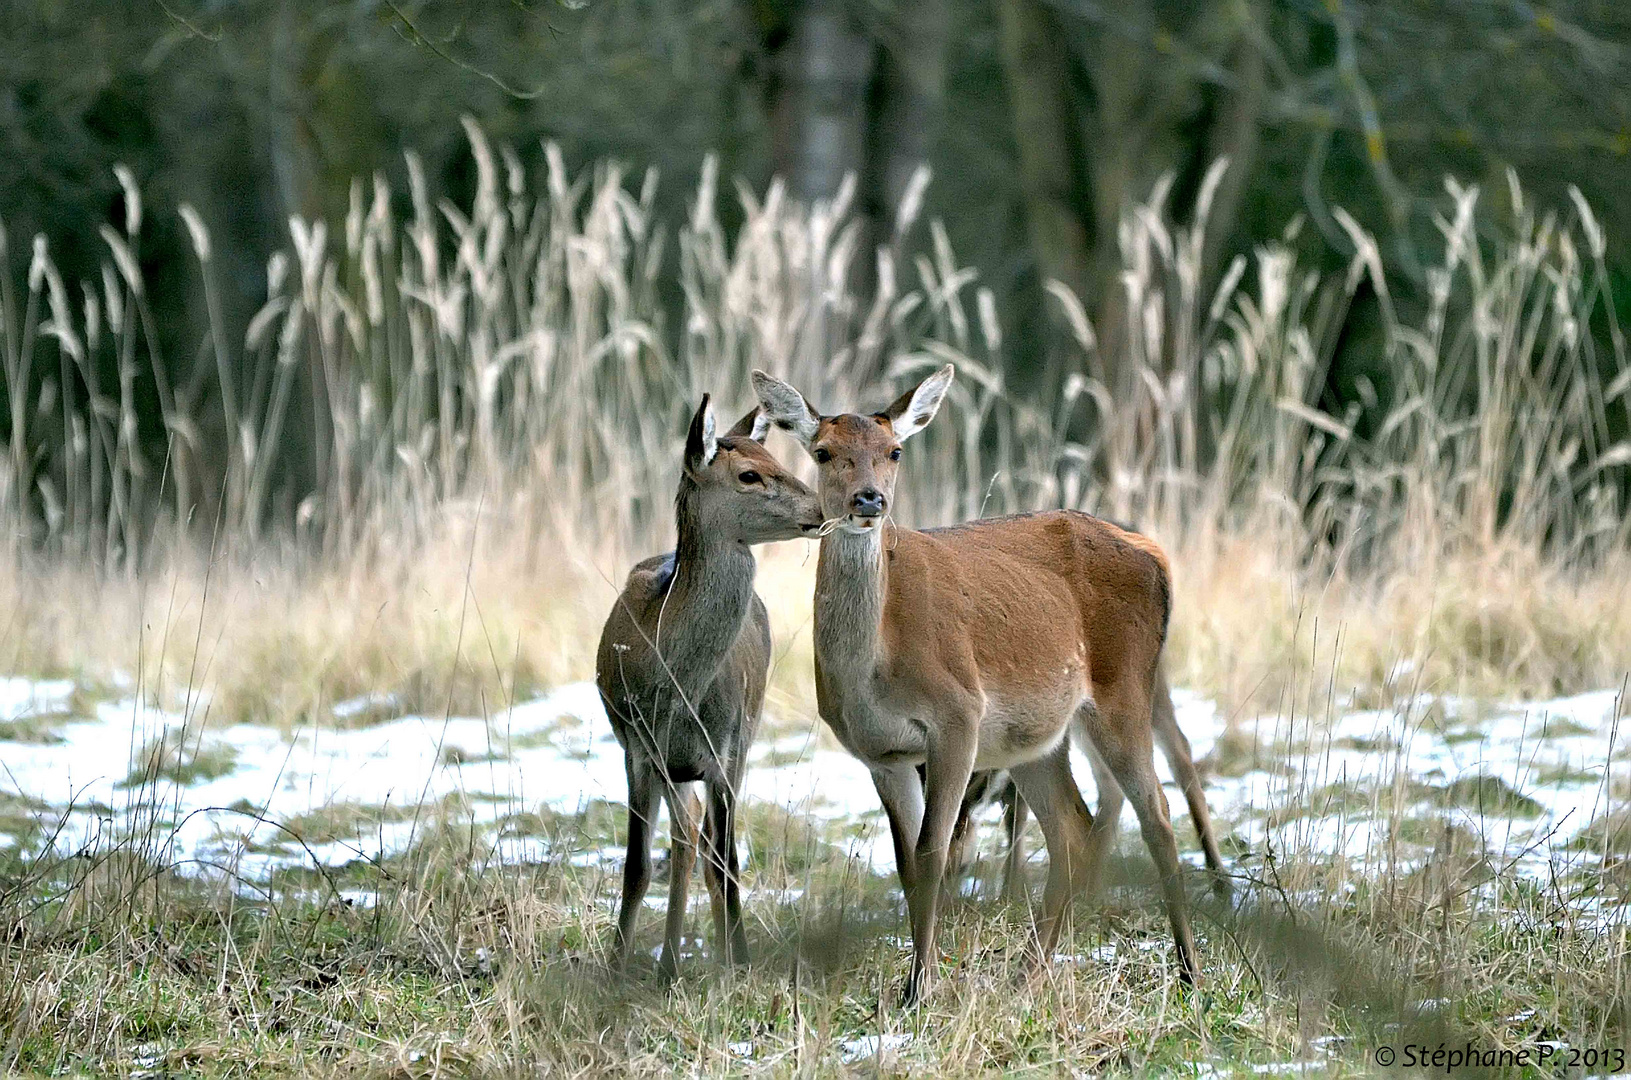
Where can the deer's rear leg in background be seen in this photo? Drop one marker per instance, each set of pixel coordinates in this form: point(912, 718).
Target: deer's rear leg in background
point(1048, 787)
point(1181, 759)
point(1013, 818)
point(637, 865)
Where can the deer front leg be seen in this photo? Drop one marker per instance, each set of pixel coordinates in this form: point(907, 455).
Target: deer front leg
point(901, 793)
point(637, 864)
point(958, 851)
point(950, 762)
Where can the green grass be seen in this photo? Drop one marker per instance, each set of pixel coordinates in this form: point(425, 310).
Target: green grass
point(1485, 794)
point(181, 757)
point(38, 730)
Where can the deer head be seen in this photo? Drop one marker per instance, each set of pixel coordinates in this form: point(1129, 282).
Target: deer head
point(737, 490)
point(858, 456)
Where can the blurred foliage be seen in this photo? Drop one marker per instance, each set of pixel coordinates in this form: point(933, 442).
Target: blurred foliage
point(1043, 121)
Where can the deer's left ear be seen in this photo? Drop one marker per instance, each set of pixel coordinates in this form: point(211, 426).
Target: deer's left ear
point(755, 425)
point(786, 408)
point(701, 444)
point(913, 410)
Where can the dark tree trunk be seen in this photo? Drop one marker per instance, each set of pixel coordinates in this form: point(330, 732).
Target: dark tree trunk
point(820, 75)
point(1047, 129)
point(852, 98)
point(905, 108)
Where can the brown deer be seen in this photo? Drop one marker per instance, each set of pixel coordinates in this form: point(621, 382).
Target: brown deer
point(996, 786)
point(977, 646)
point(682, 664)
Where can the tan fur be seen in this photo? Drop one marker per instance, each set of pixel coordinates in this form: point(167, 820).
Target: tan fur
point(978, 646)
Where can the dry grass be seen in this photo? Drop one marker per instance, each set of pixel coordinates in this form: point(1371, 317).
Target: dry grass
point(462, 968)
point(501, 396)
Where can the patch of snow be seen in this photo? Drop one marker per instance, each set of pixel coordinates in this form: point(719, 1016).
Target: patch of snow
point(568, 760)
point(1289, 1068)
point(869, 1046)
point(32, 697)
point(365, 703)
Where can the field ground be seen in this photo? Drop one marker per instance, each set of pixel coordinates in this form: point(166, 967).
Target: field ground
point(287, 832)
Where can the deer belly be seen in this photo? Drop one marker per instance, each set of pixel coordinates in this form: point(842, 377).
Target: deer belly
point(1020, 728)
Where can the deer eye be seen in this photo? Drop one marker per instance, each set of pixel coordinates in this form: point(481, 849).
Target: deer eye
point(894, 455)
point(751, 477)
point(822, 455)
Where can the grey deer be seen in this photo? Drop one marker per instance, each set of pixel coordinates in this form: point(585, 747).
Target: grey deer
point(682, 664)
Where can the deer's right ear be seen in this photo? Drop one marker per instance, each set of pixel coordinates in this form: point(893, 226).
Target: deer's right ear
point(786, 408)
point(701, 444)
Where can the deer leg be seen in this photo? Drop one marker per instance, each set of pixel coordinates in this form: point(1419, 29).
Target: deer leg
point(1048, 787)
point(637, 865)
point(951, 751)
point(723, 860)
point(962, 838)
point(1175, 745)
point(1013, 817)
point(901, 793)
point(714, 874)
point(1120, 730)
point(1107, 819)
point(683, 815)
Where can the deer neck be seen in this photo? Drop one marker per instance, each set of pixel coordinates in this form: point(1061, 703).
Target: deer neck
point(707, 598)
point(851, 582)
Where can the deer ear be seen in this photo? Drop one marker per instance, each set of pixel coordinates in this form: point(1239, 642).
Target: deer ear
point(913, 410)
point(755, 425)
point(786, 408)
point(700, 442)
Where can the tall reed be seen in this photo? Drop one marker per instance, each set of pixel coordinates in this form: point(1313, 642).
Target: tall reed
point(517, 353)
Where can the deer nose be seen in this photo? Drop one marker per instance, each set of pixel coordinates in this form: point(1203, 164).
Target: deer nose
point(868, 502)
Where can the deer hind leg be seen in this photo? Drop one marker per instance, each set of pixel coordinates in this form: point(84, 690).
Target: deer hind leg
point(725, 873)
point(683, 817)
point(1120, 730)
point(643, 792)
point(1013, 817)
point(1047, 786)
point(1175, 745)
point(1107, 816)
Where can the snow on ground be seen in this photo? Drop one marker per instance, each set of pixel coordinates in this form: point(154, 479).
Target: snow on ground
point(557, 753)
point(30, 697)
